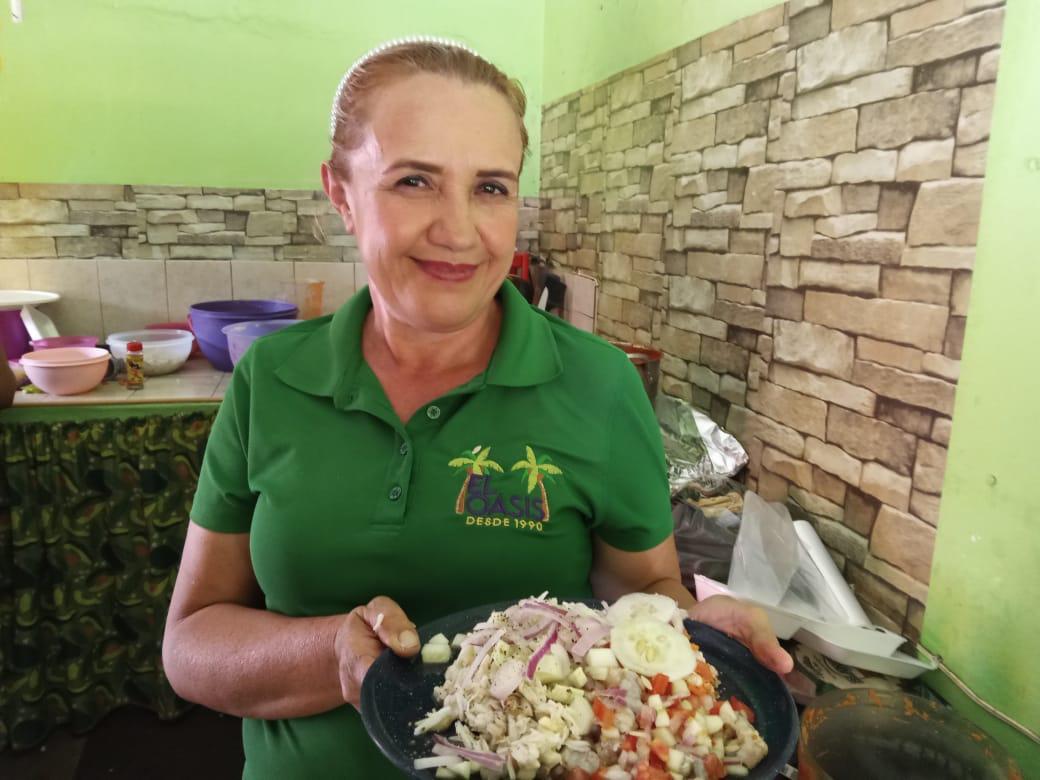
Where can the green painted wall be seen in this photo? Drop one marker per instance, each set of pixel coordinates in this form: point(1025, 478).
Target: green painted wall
point(982, 611)
point(588, 40)
point(982, 614)
point(215, 92)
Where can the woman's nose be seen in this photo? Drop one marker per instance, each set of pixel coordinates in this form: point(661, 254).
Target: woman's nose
point(453, 224)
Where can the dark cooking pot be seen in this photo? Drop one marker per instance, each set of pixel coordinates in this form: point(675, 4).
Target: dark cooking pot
point(865, 734)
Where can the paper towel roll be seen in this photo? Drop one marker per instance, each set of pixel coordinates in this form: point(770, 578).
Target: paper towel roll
point(839, 588)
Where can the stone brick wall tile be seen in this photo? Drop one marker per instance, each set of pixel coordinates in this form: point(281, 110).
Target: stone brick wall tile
point(704, 326)
point(798, 411)
point(886, 486)
point(929, 467)
point(848, 12)
point(763, 66)
point(865, 166)
point(39, 246)
point(923, 16)
point(796, 237)
point(886, 353)
point(910, 418)
point(914, 389)
point(976, 111)
point(816, 137)
point(723, 357)
point(988, 64)
point(976, 31)
point(792, 469)
point(832, 390)
point(894, 123)
point(33, 211)
point(754, 46)
point(911, 284)
point(865, 198)
point(946, 212)
point(708, 73)
point(842, 55)
point(784, 304)
point(860, 511)
point(743, 29)
point(897, 578)
point(926, 507)
point(745, 424)
point(874, 591)
point(903, 541)
point(926, 160)
point(868, 439)
point(970, 160)
point(916, 324)
point(809, 26)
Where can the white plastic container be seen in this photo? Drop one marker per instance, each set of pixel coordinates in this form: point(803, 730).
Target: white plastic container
point(165, 351)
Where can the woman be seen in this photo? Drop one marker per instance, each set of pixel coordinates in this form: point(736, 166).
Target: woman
point(434, 445)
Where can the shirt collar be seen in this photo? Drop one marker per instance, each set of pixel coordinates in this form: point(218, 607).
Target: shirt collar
point(327, 362)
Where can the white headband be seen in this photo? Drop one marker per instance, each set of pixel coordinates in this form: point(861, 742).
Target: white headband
point(379, 50)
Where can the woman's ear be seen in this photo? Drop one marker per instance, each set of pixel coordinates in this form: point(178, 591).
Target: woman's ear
point(337, 195)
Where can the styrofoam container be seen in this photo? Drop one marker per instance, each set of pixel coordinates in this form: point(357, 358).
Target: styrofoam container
point(66, 370)
point(164, 351)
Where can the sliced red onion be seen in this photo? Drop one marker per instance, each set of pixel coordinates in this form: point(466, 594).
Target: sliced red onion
point(589, 639)
point(540, 653)
point(482, 654)
point(507, 679)
point(489, 760)
point(536, 630)
point(543, 605)
point(613, 693)
point(547, 609)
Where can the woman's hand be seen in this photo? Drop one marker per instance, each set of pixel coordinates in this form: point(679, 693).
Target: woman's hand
point(748, 625)
point(358, 642)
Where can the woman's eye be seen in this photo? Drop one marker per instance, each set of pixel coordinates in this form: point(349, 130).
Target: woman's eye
point(493, 188)
point(413, 181)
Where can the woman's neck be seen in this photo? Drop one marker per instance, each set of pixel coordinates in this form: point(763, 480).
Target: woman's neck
point(399, 348)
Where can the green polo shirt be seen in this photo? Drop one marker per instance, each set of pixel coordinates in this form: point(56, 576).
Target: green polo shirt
point(490, 492)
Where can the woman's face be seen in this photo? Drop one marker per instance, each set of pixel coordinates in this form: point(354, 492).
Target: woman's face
point(432, 199)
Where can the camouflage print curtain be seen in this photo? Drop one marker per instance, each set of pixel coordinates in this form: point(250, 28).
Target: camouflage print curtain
point(92, 521)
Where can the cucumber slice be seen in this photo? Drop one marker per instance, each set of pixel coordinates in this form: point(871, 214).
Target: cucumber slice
point(648, 647)
point(642, 605)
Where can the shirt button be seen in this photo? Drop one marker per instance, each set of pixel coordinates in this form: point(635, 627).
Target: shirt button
point(395, 492)
point(433, 412)
point(404, 448)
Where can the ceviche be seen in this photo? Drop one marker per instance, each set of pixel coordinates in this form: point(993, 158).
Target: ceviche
point(548, 689)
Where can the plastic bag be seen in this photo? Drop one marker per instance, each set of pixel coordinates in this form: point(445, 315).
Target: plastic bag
point(771, 566)
point(705, 544)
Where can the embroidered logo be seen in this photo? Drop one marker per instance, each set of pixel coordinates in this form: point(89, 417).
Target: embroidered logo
point(487, 500)
point(475, 462)
point(537, 471)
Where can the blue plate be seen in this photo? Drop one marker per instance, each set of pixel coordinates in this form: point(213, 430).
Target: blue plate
point(397, 692)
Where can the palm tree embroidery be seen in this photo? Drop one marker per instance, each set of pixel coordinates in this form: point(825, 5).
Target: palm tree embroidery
point(475, 461)
point(537, 470)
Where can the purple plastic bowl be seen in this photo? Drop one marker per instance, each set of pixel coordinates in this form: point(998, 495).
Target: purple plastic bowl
point(13, 334)
point(241, 334)
point(208, 320)
point(56, 342)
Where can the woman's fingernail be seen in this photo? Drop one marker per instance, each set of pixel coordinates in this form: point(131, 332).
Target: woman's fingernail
point(408, 639)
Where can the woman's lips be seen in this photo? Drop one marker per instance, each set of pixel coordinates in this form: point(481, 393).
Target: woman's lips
point(447, 272)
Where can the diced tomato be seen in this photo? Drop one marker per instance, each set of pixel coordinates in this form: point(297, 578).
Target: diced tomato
point(715, 768)
point(660, 684)
point(715, 708)
point(740, 706)
point(657, 762)
point(647, 772)
point(705, 672)
point(603, 713)
point(629, 743)
point(597, 775)
point(660, 750)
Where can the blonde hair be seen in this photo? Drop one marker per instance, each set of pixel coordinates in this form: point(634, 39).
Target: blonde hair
point(398, 59)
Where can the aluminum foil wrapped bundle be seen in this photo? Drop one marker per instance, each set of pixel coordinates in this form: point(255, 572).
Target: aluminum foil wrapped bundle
point(699, 453)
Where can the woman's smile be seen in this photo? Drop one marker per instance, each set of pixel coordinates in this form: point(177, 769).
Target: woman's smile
point(447, 272)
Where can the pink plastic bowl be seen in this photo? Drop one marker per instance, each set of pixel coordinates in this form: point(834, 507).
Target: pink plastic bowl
point(64, 341)
point(66, 370)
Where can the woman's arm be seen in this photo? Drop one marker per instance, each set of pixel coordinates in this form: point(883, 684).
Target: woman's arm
point(222, 649)
point(616, 572)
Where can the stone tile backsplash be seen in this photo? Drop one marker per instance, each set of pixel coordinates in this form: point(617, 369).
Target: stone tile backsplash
point(123, 256)
point(788, 208)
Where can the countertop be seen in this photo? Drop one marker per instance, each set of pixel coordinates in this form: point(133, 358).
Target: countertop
point(196, 381)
